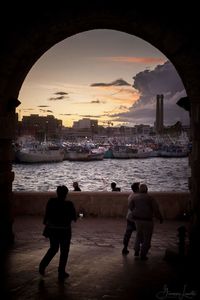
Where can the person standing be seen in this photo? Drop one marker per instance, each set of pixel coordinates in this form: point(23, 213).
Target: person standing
point(144, 208)
point(130, 225)
point(57, 220)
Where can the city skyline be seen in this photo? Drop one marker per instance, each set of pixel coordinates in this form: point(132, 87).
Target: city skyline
point(106, 75)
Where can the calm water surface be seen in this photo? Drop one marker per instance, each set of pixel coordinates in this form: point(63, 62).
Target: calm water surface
point(160, 174)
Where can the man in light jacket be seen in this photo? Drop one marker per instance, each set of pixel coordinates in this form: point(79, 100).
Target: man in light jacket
point(144, 209)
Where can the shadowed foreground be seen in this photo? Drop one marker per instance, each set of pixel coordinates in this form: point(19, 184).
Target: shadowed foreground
point(97, 268)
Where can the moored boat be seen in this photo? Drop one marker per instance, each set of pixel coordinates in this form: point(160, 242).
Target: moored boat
point(39, 153)
point(127, 152)
point(173, 151)
point(86, 155)
point(82, 152)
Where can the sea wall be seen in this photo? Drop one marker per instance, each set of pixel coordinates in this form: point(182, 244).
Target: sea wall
point(173, 205)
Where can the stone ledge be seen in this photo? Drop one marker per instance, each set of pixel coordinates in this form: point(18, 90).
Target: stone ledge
point(173, 205)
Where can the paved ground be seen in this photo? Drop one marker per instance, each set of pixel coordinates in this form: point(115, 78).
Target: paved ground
point(96, 266)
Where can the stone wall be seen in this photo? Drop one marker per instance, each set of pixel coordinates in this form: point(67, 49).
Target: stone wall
point(101, 204)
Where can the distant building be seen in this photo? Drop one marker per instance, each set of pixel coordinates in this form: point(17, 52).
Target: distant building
point(85, 126)
point(41, 126)
point(85, 123)
point(143, 129)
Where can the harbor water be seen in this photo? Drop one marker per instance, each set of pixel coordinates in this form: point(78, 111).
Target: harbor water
point(160, 174)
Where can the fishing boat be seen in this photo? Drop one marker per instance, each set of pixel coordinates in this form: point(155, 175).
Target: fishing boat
point(123, 152)
point(173, 151)
point(108, 153)
point(129, 151)
point(39, 153)
point(85, 156)
point(81, 153)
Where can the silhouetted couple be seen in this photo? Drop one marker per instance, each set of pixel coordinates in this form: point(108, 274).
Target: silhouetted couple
point(143, 209)
point(57, 220)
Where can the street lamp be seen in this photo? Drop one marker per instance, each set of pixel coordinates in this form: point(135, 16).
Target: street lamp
point(46, 131)
point(92, 130)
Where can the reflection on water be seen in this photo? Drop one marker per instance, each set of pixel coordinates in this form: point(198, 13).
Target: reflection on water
point(160, 174)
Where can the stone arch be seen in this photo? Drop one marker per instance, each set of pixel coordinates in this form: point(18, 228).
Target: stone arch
point(30, 43)
point(28, 36)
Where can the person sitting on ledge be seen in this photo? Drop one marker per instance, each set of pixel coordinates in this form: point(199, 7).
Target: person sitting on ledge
point(76, 186)
point(114, 187)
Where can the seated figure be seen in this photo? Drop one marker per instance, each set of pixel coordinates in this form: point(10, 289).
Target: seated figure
point(114, 187)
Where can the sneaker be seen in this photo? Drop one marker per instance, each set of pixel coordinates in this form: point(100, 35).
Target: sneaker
point(125, 251)
point(63, 276)
point(136, 253)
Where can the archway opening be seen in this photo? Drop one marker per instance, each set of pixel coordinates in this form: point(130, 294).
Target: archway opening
point(152, 35)
point(116, 77)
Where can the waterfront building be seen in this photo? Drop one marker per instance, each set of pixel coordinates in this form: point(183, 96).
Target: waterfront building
point(143, 129)
point(40, 126)
point(85, 123)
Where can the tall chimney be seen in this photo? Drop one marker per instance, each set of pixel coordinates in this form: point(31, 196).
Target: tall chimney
point(161, 113)
point(157, 113)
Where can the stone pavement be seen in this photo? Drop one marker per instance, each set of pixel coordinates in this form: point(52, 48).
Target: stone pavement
point(96, 266)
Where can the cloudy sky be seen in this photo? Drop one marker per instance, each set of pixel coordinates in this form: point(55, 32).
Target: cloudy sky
point(106, 75)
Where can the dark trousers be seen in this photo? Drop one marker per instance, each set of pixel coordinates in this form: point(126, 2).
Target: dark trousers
point(130, 227)
point(61, 241)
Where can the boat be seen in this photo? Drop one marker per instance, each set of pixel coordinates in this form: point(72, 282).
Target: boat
point(108, 153)
point(130, 151)
point(144, 152)
point(123, 152)
point(85, 156)
point(81, 153)
point(39, 153)
point(173, 151)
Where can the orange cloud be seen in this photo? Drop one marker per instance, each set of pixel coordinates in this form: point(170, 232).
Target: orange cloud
point(115, 94)
point(134, 59)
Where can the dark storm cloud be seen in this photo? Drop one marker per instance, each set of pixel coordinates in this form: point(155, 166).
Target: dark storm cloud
point(67, 114)
point(162, 80)
point(61, 93)
point(123, 107)
point(90, 116)
point(56, 98)
point(60, 96)
point(117, 82)
point(46, 110)
point(91, 102)
point(137, 116)
point(97, 101)
point(112, 112)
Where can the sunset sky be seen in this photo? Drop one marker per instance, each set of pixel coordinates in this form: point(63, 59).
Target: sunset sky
point(105, 75)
